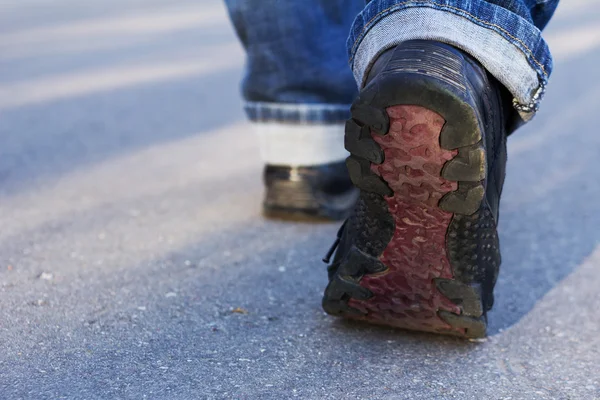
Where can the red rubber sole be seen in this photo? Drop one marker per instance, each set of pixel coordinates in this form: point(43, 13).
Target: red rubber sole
point(406, 295)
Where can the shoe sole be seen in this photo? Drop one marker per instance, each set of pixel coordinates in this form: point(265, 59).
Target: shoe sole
point(416, 142)
point(296, 201)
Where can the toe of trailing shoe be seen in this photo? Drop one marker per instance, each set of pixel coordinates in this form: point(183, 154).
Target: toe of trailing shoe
point(322, 192)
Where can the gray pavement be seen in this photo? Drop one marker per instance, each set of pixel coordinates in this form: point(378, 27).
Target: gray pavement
point(130, 229)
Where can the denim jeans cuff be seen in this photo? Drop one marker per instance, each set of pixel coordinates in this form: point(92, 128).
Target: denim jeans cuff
point(297, 113)
point(508, 46)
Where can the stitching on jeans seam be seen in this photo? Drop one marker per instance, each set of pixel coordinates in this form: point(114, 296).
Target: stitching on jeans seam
point(399, 5)
point(295, 106)
point(457, 9)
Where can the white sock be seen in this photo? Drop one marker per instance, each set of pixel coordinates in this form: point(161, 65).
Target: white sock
point(300, 144)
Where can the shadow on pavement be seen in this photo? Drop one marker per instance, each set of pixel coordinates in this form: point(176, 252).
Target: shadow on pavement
point(549, 218)
point(45, 141)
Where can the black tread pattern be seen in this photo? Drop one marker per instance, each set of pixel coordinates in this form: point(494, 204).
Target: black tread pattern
point(468, 165)
point(466, 200)
point(467, 296)
point(358, 141)
point(474, 250)
point(365, 179)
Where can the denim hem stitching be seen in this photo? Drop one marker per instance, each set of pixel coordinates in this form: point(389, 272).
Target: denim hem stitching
point(460, 11)
point(297, 113)
point(297, 106)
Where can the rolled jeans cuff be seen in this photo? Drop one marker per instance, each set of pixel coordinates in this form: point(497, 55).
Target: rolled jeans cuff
point(302, 113)
point(299, 134)
point(510, 47)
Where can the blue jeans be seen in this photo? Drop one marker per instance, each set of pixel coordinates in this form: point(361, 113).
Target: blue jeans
point(297, 64)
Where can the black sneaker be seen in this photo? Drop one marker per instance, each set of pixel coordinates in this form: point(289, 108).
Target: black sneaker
point(428, 144)
point(323, 192)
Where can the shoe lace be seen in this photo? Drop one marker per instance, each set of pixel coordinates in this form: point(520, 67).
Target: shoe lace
point(335, 244)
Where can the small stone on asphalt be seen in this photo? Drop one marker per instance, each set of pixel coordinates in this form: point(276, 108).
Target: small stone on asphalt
point(47, 276)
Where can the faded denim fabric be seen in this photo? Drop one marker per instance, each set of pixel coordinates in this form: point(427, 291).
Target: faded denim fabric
point(504, 35)
point(297, 68)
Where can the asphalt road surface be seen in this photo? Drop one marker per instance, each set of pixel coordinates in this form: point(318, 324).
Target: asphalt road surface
point(134, 262)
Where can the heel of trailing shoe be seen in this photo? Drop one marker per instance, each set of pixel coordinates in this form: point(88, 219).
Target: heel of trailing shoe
point(308, 193)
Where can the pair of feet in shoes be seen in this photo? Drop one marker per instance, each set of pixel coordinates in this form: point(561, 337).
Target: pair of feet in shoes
point(419, 249)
